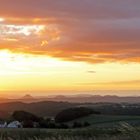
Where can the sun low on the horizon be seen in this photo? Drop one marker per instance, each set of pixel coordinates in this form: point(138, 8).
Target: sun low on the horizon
point(49, 48)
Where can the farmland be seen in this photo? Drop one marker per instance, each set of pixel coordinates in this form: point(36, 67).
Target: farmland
point(108, 120)
point(102, 128)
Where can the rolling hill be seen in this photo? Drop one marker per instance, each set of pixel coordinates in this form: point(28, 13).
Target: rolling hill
point(46, 108)
point(108, 120)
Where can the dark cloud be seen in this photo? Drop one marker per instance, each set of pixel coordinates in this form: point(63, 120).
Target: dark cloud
point(73, 8)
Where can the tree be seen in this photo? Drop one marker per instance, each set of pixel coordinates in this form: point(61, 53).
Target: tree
point(25, 116)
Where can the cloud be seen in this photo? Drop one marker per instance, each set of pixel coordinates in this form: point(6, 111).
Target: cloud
point(73, 8)
point(129, 82)
point(77, 30)
point(91, 71)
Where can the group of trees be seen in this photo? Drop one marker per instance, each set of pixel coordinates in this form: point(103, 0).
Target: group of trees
point(30, 120)
point(74, 113)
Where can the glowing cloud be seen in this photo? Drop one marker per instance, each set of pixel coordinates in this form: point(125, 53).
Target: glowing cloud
point(94, 32)
point(20, 29)
point(29, 37)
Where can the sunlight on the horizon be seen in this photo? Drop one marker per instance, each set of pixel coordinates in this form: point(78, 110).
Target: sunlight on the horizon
point(21, 71)
point(1, 19)
point(26, 63)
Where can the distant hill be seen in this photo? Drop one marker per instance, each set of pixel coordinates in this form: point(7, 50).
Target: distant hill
point(96, 99)
point(46, 108)
point(28, 97)
point(75, 99)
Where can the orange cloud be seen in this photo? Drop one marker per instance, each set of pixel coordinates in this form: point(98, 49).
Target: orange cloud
point(88, 31)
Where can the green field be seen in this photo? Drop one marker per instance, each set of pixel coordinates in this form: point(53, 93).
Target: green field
point(108, 120)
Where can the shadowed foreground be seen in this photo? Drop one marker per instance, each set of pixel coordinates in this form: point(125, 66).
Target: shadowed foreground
point(124, 132)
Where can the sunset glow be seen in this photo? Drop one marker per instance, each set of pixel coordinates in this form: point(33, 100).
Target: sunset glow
point(78, 49)
point(1, 19)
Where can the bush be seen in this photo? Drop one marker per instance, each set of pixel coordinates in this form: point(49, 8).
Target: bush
point(86, 124)
point(77, 125)
point(47, 124)
point(43, 123)
point(63, 126)
point(28, 124)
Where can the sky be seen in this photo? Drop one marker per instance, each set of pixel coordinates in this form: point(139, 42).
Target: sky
point(69, 45)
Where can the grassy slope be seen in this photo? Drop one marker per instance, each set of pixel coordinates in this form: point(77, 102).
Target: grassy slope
point(106, 120)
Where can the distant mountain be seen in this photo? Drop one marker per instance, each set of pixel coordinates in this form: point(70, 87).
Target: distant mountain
point(27, 97)
point(75, 99)
point(96, 99)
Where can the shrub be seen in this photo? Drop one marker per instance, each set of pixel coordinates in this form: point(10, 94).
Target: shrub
point(77, 125)
point(86, 124)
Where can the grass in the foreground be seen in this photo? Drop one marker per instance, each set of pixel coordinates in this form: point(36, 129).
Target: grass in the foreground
point(124, 132)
